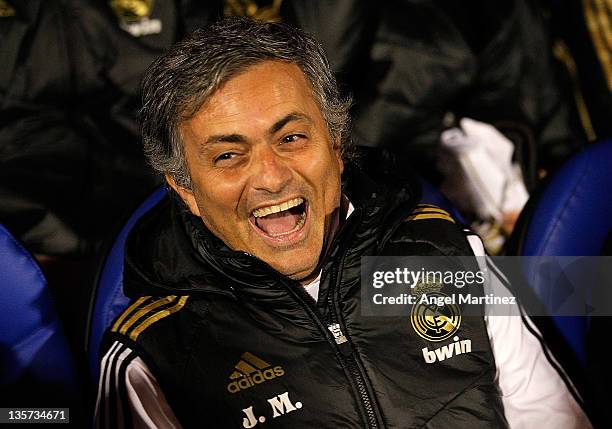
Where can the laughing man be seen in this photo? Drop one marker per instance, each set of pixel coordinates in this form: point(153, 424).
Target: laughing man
point(245, 281)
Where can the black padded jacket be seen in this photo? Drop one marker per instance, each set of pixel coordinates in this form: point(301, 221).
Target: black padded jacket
point(235, 344)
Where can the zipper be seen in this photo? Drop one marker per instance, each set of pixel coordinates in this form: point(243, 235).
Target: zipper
point(334, 334)
point(351, 364)
point(337, 328)
point(335, 325)
point(334, 330)
point(344, 353)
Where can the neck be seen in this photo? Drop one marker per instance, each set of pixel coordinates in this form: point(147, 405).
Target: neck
point(337, 218)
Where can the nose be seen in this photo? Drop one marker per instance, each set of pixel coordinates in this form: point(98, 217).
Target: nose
point(271, 172)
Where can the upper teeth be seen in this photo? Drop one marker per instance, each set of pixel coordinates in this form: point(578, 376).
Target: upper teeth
point(265, 211)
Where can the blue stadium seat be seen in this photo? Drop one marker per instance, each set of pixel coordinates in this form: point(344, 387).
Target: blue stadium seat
point(109, 299)
point(432, 195)
point(571, 217)
point(34, 352)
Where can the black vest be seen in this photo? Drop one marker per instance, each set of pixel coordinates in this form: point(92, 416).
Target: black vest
point(234, 344)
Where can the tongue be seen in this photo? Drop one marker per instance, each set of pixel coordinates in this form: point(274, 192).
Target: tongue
point(278, 223)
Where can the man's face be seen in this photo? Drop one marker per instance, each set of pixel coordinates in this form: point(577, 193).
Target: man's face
point(265, 174)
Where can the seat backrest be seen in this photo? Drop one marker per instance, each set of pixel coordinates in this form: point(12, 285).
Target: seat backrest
point(574, 214)
point(34, 351)
point(571, 217)
point(109, 300)
point(432, 195)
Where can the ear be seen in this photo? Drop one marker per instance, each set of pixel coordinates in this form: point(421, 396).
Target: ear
point(185, 194)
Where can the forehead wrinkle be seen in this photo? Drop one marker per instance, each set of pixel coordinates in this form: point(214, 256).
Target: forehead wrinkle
point(227, 101)
point(258, 118)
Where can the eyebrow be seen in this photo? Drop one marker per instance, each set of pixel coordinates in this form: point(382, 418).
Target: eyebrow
point(277, 126)
point(293, 116)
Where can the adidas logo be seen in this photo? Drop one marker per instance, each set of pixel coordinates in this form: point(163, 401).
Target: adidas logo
point(250, 371)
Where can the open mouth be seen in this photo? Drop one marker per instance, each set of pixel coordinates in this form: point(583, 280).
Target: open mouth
point(280, 220)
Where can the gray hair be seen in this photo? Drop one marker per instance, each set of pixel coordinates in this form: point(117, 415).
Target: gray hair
point(179, 82)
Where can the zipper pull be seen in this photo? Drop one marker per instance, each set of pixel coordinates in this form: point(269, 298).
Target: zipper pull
point(337, 333)
point(341, 340)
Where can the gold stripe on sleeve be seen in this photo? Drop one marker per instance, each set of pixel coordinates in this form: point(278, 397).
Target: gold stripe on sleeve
point(423, 216)
point(144, 310)
point(432, 210)
point(128, 311)
point(157, 316)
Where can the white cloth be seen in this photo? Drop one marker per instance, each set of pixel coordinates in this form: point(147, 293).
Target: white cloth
point(313, 287)
point(533, 391)
point(479, 176)
point(147, 402)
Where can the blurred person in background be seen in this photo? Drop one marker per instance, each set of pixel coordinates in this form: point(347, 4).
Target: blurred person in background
point(71, 163)
point(69, 94)
point(70, 160)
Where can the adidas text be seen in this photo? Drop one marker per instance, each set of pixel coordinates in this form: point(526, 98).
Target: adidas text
point(254, 378)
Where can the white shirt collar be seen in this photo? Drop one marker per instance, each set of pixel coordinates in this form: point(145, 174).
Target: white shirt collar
point(313, 287)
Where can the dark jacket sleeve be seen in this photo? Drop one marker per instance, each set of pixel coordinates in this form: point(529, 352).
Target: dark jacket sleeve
point(70, 159)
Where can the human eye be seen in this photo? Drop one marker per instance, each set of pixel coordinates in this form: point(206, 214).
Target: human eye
point(225, 157)
point(292, 138)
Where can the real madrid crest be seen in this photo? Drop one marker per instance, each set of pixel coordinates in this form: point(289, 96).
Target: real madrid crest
point(132, 10)
point(267, 11)
point(435, 317)
point(6, 9)
point(134, 16)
